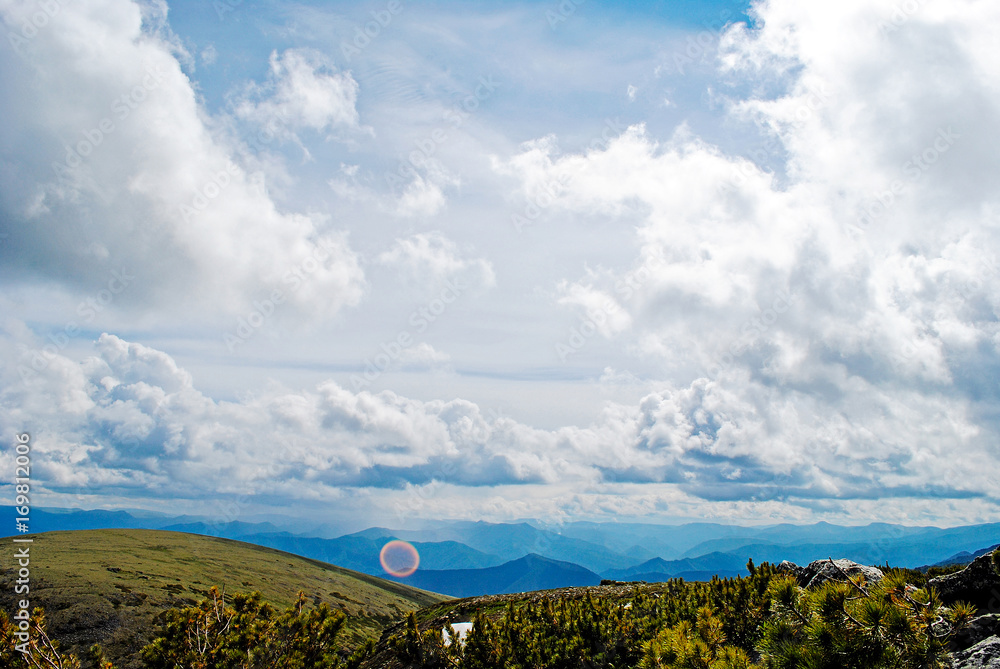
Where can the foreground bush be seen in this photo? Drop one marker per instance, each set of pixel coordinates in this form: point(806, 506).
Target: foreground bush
point(245, 633)
point(764, 621)
point(853, 624)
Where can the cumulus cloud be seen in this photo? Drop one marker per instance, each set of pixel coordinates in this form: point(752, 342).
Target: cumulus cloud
point(303, 90)
point(125, 171)
point(130, 413)
point(816, 316)
point(129, 420)
point(861, 275)
point(433, 259)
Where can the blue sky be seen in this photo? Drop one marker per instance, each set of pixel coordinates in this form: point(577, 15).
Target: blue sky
point(504, 260)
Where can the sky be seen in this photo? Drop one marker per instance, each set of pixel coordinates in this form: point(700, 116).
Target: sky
point(381, 262)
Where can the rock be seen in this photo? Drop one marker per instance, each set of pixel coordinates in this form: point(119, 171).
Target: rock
point(821, 571)
point(983, 655)
point(978, 629)
point(978, 584)
point(791, 569)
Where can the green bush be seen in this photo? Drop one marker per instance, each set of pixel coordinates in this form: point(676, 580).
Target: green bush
point(763, 621)
point(246, 634)
point(888, 624)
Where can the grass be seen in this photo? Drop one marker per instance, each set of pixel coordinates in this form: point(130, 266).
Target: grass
point(110, 586)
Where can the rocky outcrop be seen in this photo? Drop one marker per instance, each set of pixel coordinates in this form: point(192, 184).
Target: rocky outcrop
point(978, 584)
point(983, 655)
point(977, 630)
point(821, 571)
point(792, 569)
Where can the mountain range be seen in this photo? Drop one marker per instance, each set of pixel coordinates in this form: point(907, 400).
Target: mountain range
point(464, 558)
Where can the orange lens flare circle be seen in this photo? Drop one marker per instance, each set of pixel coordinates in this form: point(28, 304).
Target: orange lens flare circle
point(399, 558)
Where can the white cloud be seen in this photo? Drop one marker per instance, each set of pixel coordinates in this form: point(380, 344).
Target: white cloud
point(821, 326)
point(433, 258)
point(129, 421)
point(813, 307)
point(125, 163)
point(422, 356)
point(600, 307)
point(423, 196)
point(304, 90)
point(209, 55)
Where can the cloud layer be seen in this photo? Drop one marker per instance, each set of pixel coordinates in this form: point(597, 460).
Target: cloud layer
point(128, 422)
point(805, 319)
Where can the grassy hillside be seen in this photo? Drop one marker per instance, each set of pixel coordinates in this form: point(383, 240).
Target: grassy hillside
point(107, 586)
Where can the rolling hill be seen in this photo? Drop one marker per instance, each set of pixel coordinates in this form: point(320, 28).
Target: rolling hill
point(107, 586)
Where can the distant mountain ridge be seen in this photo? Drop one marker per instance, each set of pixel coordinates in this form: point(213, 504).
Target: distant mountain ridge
point(510, 541)
point(618, 551)
point(527, 574)
point(962, 558)
point(362, 553)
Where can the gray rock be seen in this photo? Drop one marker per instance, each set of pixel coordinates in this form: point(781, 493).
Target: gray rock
point(823, 571)
point(979, 584)
point(983, 655)
point(978, 629)
point(791, 569)
point(820, 571)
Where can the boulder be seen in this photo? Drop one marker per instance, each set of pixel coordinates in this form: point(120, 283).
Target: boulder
point(983, 655)
point(978, 584)
point(834, 570)
point(978, 629)
point(820, 571)
point(792, 569)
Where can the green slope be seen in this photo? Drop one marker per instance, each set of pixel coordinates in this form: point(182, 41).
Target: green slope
point(107, 586)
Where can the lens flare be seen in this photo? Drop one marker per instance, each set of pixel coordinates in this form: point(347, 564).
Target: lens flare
point(399, 558)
